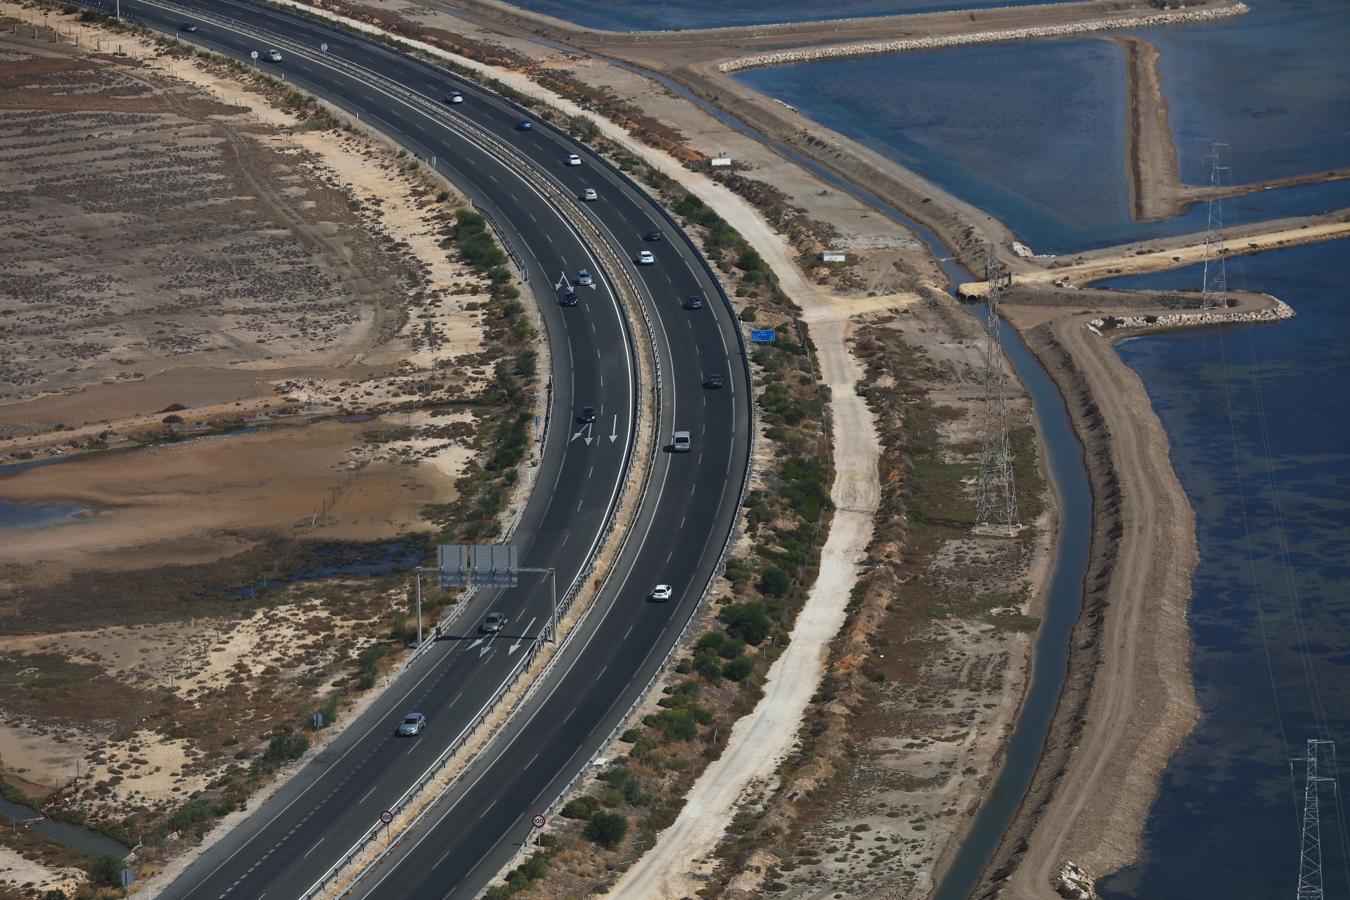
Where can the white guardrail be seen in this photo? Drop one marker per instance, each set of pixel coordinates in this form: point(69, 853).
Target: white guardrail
point(632, 297)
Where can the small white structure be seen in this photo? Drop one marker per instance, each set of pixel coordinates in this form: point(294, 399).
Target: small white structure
point(721, 162)
point(834, 256)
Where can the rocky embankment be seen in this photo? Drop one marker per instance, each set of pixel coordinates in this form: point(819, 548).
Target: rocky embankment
point(1277, 311)
point(808, 54)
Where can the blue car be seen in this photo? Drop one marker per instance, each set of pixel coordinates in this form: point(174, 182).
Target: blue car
point(524, 125)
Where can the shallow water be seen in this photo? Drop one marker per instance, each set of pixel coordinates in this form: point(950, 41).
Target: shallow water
point(38, 515)
point(674, 15)
point(1034, 133)
point(1261, 442)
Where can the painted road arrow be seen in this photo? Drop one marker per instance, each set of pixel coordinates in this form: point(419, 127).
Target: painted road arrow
point(614, 429)
point(516, 646)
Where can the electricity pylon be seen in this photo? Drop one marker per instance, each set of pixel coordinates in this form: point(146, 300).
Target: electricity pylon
point(1310, 855)
point(995, 495)
point(1216, 270)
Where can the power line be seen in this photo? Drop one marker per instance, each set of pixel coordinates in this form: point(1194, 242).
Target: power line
point(995, 493)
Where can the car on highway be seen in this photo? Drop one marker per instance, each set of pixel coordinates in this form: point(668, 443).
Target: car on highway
point(573, 159)
point(494, 623)
point(652, 235)
point(412, 725)
point(584, 278)
point(712, 380)
point(189, 27)
point(645, 258)
point(589, 194)
point(272, 55)
point(454, 97)
point(524, 125)
point(587, 414)
point(680, 442)
point(661, 593)
point(569, 298)
point(693, 301)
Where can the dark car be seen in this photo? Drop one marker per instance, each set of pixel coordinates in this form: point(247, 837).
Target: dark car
point(454, 97)
point(693, 301)
point(587, 414)
point(569, 298)
point(494, 623)
point(524, 125)
point(189, 27)
point(652, 235)
point(712, 380)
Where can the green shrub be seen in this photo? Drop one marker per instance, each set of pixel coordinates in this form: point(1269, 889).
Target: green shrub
point(747, 621)
point(606, 829)
point(775, 583)
point(579, 808)
point(738, 669)
point(677, 724)
point(106, 871)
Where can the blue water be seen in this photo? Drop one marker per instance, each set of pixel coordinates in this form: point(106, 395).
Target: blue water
point(678, 15)
point(1034, 132)
point(79, 837)
point(1261, 442)
point(1275, 83)
point(38, 515)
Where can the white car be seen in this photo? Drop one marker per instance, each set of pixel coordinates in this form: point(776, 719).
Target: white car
point(589, 194)
point(573, 159)
point(584, 278)
point(645, 258)
point(661, 592)
point(272, 56)
point(680, 442)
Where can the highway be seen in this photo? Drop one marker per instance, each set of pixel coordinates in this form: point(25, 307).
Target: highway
point(293, 839)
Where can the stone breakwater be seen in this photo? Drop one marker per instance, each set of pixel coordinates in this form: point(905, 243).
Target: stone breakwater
point(870, 48)
point(1277, 311)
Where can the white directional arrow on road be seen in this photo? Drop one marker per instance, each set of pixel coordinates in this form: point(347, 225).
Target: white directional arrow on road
point(586, 430)
point(614, 429)
point(516, 646)
point(476, 643)
point(563, 282)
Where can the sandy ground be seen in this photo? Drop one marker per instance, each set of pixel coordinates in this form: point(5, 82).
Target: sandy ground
point(373, 310)
point(14, 869)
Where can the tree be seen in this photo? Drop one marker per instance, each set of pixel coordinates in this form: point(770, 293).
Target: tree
point(747, 621)
point(106, 871)
point(775, 582)
point(606, 828)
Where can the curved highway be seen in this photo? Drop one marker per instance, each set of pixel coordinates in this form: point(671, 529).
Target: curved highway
point(290, 842)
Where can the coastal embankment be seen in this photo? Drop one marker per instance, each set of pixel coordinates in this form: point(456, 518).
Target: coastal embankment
point(1128, 701)
point(1002, 35)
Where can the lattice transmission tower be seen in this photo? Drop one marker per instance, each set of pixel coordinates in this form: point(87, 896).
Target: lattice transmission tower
point(995, 493)
point(1310, 855)
point(1216, 270)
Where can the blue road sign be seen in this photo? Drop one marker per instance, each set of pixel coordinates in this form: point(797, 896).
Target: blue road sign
point(763, 335)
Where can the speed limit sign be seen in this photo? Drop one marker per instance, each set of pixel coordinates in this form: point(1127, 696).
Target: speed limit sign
point(386, 817)
point(538, 820)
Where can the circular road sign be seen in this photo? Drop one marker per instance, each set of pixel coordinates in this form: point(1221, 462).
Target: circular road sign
point(254, 54)
point(538, 820)
point(386, 817)
point(323, 47)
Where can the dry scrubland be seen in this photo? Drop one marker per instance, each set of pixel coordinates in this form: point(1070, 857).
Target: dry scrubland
point(244, 339)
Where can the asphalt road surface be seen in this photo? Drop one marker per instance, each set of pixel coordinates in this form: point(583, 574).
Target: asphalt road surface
point(294, 838)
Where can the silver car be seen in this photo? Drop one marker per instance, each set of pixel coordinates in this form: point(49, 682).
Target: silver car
point(272, 56)
point(412, 725)
point(680, 442)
